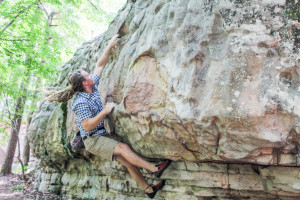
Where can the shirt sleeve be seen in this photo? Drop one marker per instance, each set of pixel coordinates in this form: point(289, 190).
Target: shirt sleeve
point(82, 111)
point(96, 79)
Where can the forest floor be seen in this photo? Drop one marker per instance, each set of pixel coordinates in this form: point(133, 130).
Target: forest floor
point(13, 187)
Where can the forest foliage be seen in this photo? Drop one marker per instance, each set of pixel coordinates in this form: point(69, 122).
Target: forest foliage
point(36, 38)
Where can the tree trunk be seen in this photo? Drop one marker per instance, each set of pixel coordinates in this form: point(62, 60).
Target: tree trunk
point(16, 123)
point(19, 158)
point(26, 150)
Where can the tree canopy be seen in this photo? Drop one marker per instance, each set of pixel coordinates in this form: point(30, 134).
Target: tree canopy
point(38, 36)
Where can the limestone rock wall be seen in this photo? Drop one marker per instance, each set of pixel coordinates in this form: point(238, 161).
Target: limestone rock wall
point(195, 81)
point(185, 180)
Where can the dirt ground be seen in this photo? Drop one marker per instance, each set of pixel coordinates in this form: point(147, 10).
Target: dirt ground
point(12, 187)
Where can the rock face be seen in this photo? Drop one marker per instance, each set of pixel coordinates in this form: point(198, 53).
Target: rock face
point(195, 81)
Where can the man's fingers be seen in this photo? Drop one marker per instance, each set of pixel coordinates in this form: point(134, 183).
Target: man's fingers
point(116, 35)
point(111, 105)
point(114, 40)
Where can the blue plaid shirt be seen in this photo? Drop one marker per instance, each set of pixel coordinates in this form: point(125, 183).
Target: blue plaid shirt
point(88, 105)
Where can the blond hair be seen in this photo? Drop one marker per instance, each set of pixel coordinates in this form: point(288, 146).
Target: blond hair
point(75, 85)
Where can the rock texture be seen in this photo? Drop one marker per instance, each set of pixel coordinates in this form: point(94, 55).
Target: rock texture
point(195, 81)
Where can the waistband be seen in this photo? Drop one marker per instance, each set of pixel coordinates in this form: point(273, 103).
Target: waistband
point(99, 129)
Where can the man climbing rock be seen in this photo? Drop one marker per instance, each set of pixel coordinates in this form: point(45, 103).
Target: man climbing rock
point(90, 113)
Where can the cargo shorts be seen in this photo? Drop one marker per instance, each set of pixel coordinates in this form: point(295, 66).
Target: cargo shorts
point(101, 145)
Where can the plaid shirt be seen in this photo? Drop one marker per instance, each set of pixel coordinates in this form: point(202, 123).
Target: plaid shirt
point(86, 105)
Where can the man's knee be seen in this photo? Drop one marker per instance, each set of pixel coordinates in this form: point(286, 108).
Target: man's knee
point(121, 148)
point(119, 159)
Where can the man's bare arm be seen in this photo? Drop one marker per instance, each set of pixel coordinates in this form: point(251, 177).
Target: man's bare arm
point(104, 57)
point(91, 123)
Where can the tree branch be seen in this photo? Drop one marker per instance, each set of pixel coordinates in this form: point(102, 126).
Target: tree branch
point(42, 6)
point(8, 51)
point(8, 110)
point(14, 19)
point(13, 39)
point(50, 18)
point(94, 6)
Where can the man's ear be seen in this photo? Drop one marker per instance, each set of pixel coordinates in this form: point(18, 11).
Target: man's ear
point(84, 83)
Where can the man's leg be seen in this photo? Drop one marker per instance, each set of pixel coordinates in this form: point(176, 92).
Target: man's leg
point(124, 150)
point(136, 174)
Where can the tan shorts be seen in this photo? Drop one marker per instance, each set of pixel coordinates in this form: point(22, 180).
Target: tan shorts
point(101, 145)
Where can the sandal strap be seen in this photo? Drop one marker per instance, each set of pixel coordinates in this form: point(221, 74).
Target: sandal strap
point(146, 188)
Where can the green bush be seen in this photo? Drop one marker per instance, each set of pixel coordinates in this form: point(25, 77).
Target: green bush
point(19, 169)
point(17, 187)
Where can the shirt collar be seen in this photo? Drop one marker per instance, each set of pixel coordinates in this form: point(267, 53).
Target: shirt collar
point(85, 95)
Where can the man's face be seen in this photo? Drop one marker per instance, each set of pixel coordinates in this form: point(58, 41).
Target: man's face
point(88, 83)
